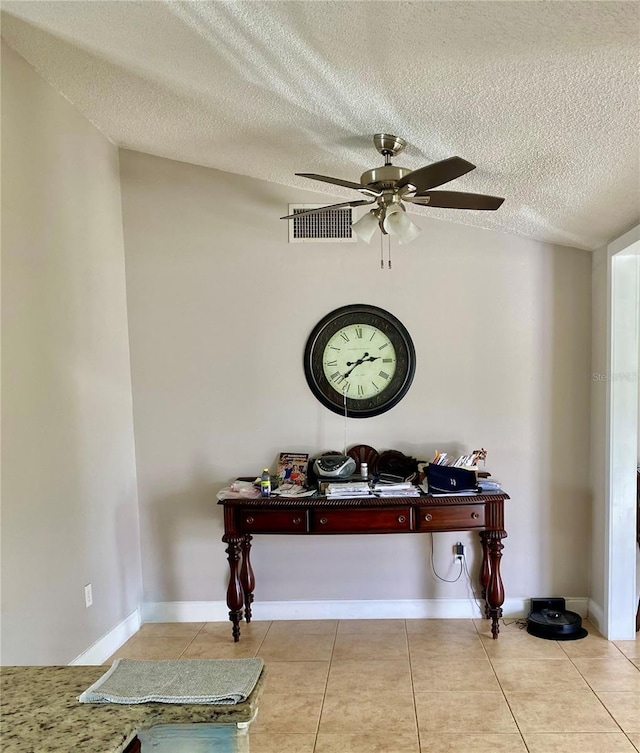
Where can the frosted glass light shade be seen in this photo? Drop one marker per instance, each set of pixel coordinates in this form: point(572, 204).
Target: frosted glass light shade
point(410, 231)
point(397, 223)
point(366, 226)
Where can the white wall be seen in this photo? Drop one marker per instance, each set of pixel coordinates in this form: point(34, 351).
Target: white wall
point(614, 433)
point(599, 438)
point(220, 306)
point(69, 499)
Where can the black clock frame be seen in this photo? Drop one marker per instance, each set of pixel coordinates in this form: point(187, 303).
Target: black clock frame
point(347, 316)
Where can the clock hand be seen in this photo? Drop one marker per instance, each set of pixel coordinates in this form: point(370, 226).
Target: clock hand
point(349, 363)
point(353, 364)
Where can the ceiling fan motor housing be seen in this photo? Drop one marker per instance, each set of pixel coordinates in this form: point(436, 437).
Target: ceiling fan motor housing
point(383, 177)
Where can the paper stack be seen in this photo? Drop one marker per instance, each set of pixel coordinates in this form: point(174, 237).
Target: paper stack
point(488, 486)
point(401, 489)
point(347, 490)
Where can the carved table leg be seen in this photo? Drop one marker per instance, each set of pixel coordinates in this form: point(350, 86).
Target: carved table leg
point(485, 570)
point(235, 596)
point(495, 589)
point(247, 578)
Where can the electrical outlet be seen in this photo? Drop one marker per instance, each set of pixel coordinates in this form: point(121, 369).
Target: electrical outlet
point(458, 550)
point(88, 595)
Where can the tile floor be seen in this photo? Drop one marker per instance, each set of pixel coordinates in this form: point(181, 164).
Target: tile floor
point(412, 686)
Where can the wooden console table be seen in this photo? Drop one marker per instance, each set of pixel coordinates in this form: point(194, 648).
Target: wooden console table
point(244, 517)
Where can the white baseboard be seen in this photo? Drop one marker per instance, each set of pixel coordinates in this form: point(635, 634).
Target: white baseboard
point(596, 615)
point(185, 611)
point(217, 611)
point(579, 605)
point(111, 642)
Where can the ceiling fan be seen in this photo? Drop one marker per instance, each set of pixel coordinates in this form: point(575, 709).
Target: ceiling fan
point(389, 187)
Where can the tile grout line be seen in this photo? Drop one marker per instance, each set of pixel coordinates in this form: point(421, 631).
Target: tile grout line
point(504, 695)
point(186, 648)
point(324, 692)
point(264, 637)
point(326, 683)
point(413, 689)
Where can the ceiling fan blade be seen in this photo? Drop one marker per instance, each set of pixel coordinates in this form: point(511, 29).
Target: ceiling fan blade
point(436, 174)
point(340, 182)
point(317, 210)
point(455, 200)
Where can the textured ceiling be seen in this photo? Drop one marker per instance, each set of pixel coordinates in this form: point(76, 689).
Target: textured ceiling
point(542, 96)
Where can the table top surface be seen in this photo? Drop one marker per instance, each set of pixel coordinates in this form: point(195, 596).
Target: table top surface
point(406, 501)
point(40, 712)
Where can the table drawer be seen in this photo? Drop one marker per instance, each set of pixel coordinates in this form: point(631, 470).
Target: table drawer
point(273, 521)
point(451, 518)
point(361, 521)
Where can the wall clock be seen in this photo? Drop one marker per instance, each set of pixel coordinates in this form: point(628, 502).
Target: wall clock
point(359, 360)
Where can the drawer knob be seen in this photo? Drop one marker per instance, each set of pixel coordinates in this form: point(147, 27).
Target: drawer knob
point(475, 515)
point(296, 521)
point(249, 520)
point(428, 516)
point(401, 518)
point(323, 521)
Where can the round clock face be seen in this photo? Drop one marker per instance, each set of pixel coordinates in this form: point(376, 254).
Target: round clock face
point(360, 360)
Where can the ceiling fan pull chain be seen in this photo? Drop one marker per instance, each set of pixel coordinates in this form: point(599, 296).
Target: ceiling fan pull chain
point(381, 251)
point(389, 251)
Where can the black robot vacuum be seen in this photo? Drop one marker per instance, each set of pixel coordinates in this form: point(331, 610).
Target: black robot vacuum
point(550, 619)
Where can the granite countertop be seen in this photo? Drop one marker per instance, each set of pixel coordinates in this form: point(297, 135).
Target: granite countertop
point(40, 713)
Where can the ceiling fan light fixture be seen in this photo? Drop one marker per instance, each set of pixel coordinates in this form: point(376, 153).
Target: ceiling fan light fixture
point(366, 226)
point(389, 221)
point(396, 222)
point(409, 231)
